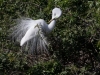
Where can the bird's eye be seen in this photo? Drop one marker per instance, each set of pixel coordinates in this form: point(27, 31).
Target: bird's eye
point(54, 14)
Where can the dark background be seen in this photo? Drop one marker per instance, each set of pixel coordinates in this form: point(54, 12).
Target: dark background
point(75, 41)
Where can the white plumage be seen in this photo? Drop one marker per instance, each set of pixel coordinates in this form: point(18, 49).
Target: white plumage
point(32, 33)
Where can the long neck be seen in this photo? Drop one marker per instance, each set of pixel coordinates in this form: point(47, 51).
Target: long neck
point(51, 25)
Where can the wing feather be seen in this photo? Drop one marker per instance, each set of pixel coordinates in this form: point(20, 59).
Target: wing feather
point(26, 28)
point(21, 27)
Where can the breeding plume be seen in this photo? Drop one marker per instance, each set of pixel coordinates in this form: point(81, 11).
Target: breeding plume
point(32, 33)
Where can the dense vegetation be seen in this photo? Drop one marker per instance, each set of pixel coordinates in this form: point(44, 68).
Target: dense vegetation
point(75, 41)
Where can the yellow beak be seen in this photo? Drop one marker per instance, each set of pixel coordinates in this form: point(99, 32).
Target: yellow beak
point(50, 20)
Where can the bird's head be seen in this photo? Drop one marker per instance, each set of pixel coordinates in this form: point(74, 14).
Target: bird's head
point(56, 13)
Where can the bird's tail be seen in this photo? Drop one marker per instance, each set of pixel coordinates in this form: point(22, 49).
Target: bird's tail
point(37, 45)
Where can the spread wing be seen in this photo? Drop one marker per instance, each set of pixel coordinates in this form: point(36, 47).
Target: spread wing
point(21, 27)
point(29, 33)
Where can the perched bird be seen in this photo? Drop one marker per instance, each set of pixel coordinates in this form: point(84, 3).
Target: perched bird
point(32, 33)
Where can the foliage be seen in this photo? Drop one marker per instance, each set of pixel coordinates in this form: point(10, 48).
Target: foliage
point(75, 41)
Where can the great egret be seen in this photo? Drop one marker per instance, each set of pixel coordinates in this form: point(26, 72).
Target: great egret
point(32, 33)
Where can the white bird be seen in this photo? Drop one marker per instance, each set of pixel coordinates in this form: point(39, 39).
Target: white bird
point(32, 33)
